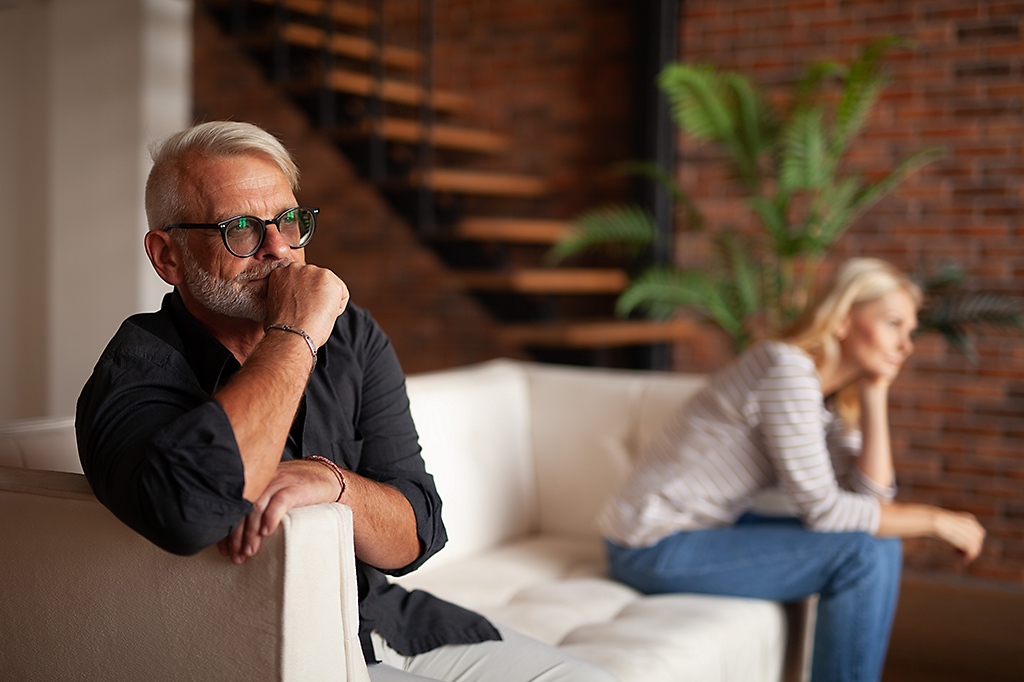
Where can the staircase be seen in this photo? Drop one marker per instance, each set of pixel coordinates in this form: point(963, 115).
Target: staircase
point(418, 145)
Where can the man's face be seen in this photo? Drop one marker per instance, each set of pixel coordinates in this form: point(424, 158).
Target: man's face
point(225, 188)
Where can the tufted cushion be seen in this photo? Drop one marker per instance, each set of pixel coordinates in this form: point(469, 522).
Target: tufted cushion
point(555, 589)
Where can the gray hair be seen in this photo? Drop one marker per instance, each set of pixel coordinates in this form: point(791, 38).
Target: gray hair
point(168, 199)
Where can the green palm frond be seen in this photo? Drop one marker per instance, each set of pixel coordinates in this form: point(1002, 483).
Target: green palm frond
point(654, 172)
point(839, 204)
point(869, 196)
point(809, 87)
point(864, 82)
point(773, 217)
point(698, 102)
point(804, 163)
point(660, 291)
point(957, 315)
point(628, 226)
point(710, 107)
point(740, 278)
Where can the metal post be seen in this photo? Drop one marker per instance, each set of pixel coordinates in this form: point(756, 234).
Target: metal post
point(281, 66)
point(660, 33)
point(662, 148)
point(327, 67)
point(378, 158)
point(427, 217)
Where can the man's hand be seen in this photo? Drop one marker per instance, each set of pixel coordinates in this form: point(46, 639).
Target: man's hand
point(297, 483)
point(307, 297)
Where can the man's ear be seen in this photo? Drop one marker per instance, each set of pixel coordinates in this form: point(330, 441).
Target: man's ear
point(165, 255)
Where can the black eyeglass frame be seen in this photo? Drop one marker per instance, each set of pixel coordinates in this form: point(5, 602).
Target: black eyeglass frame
point(222, 226)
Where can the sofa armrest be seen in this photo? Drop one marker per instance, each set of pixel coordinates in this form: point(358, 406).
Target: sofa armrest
point(86, 598)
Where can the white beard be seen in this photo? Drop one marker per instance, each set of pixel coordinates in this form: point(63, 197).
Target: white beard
point(234, 297)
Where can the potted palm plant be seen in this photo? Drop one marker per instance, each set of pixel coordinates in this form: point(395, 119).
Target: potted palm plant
point(789, 161)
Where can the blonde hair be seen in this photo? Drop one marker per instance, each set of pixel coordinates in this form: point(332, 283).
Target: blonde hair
point(168, 195)
point(858, 280)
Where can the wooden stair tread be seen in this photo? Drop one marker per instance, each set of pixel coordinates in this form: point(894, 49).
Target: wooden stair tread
point(343, 13)
point(350, 46)
point(480, 182)
point(398, 92)
point(597, 334)
point(444, 136)
point(546, 280)
point(513, 230)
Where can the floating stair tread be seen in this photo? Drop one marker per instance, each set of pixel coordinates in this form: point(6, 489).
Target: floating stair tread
point(398, 92)
point(546, 280)
point(598, 334)
point(350, 46)
point(444, 136)
point(481, 182)
point(343, 13)
point(513, 230)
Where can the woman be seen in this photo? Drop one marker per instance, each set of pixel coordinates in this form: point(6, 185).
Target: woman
point(806, 413)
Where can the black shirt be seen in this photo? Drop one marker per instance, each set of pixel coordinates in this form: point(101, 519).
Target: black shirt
point(159, 452)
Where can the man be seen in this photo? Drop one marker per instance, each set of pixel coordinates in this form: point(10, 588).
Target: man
point(257, 388)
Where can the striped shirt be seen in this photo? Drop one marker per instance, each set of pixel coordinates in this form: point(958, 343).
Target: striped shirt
point(761, 422)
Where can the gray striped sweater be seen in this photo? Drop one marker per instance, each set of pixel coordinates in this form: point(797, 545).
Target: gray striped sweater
point(760, 422)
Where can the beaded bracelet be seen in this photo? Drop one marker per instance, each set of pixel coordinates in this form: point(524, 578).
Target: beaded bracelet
point(296, 330)
point(333, 467)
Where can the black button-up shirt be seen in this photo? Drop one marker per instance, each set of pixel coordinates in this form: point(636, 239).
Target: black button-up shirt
point(159, 452)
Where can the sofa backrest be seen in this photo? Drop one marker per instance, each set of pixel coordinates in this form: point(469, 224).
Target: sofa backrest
point(518, 448)
point(589, 427)
point(474, 428)
point(47, 443)
point(87, 598)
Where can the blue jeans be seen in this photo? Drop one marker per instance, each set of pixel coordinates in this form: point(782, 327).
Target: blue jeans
point(856, 575)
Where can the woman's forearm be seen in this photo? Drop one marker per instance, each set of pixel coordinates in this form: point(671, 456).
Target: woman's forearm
point(959, 529)
point(875, 459)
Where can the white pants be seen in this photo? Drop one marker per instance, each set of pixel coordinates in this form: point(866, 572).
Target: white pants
point(517, 658)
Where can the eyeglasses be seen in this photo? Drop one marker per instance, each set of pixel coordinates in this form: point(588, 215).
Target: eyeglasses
point(243, 235)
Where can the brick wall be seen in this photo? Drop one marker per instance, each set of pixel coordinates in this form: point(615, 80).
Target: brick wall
point(431, 323)
point(958, 427)
point(557, 76)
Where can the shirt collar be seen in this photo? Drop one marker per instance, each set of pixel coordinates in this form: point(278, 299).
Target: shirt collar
point(211, 362)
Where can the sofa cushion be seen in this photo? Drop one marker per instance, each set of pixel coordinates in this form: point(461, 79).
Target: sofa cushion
point(555, 589)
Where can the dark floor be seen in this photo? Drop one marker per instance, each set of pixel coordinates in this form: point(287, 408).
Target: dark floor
point(949, 631)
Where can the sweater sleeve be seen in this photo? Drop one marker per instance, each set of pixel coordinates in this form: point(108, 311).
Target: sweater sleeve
point(793, 426)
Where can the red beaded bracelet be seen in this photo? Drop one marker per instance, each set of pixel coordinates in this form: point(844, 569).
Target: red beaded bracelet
point(333, 467)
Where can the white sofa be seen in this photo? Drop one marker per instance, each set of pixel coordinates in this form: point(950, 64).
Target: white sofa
point(523, 456)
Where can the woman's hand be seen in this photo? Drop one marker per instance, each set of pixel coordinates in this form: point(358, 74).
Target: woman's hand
point(961, 530)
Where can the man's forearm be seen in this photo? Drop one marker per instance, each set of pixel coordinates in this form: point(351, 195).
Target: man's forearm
point(384, 524)
point(261, 401)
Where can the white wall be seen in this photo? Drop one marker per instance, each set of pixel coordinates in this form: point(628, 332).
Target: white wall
point(87, 85)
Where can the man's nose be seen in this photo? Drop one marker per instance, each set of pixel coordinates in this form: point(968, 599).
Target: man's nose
point(274, 244)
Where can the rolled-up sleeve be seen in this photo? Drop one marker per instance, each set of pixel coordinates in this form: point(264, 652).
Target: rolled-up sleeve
point(156, 449)
point(390, 451)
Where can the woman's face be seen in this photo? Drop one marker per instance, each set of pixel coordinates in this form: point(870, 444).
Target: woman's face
point(875, 336)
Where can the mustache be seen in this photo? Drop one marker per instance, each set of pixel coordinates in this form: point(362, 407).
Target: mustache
point(261, 271)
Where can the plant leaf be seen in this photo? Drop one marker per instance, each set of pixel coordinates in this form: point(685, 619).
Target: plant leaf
point(803, 164)
point(870, 195)
point(864, 82)
point(630, 226)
